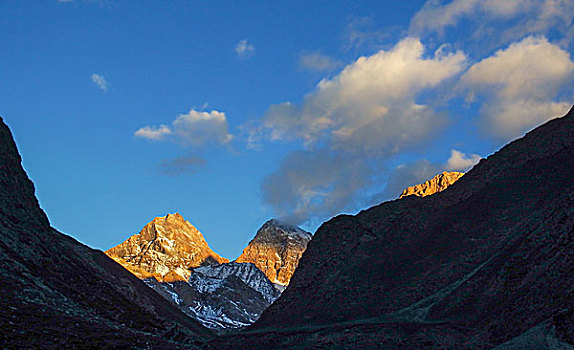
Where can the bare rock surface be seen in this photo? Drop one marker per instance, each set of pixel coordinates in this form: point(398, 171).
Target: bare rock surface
point(166, 249)
point(276, 250)
point(437, 184)
point(173, 258)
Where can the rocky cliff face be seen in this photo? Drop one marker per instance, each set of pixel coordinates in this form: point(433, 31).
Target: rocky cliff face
point(437, 184)
point(230, 295)
point(173, 258)
point(485, 264)
point(57, 293)
point(276, 250)
point(166, 249)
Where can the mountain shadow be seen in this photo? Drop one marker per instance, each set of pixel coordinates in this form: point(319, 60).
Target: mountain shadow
point(487, 263)
point(58, 293)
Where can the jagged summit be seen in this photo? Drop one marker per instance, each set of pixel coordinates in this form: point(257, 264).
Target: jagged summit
point(276, 250)
point(283, 229)
point(437, 184)
point(167, 247)
point(173, 258)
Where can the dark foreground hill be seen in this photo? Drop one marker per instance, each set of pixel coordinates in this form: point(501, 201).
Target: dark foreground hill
point(487, 263)
point(57, 293)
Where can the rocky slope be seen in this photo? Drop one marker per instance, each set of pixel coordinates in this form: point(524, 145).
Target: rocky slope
point(276, 250)
point(486, 263)
point(174, 259)
point(437, 184)
point(230, 295)
point(57, 293)
point(166, 248)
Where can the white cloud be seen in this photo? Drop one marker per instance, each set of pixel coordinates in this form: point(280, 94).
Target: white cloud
point(154, 132)
point(351, 122)
point(370, 107)
point(197, 128)
point(100, 82)
point(520, 83)
point(459, 161)
point(244, 49)
point(318, 62)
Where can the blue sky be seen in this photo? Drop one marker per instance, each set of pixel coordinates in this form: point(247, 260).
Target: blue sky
point(233, 113)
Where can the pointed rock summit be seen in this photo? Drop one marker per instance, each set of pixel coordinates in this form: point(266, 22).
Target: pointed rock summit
point(166, 248)
point(276, 250)
point(437, 184)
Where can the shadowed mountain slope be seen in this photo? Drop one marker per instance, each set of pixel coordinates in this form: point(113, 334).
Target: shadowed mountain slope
point(58, 293)
point(230, 295)
point(488, 262)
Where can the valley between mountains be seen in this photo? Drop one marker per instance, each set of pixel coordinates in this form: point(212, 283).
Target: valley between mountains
point(482, 260)
point(171, 256)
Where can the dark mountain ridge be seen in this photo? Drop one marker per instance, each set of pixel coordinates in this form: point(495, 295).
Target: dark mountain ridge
point(58, 293)
point(488, 262)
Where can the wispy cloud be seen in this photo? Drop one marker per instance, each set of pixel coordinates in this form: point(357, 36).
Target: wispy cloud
point(196, 128)
point(361, 32)
point(184, 165)
point(501, 22)
point(244, 49)
point(406, 175)
point(436, 16)
point(315, 184)
point(100, 82)
point(318, 62)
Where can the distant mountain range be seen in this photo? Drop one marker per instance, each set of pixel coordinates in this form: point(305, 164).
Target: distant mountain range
point(173, 258)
